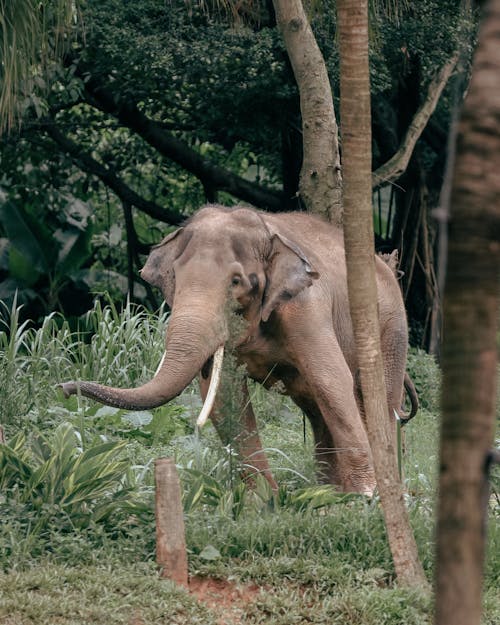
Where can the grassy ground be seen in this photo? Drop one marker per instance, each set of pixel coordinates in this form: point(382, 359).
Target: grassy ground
point(252, 559)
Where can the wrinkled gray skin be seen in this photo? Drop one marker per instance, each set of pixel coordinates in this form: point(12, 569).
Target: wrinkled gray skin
point(287, 273)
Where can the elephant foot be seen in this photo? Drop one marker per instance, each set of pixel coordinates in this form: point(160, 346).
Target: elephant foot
point(345, 476)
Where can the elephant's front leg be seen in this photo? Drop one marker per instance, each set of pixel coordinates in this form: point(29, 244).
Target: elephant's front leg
point(240, 431)
point(338, 421)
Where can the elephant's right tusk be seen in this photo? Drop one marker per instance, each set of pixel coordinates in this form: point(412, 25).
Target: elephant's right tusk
point(161, 363)
point(212, 389)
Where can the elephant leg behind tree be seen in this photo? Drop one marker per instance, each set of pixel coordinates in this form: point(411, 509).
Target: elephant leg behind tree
point(327, 377)
point(324, 450)
point(240, 431)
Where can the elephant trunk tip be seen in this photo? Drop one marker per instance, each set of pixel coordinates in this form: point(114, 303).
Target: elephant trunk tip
point(68, 389)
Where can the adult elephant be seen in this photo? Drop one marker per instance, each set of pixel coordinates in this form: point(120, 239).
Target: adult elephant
point(286, 274)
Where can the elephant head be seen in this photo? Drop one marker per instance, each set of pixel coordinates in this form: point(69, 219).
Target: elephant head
point(220, 253)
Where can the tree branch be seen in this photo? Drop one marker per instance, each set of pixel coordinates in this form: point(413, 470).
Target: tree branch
point(87, 163)
point(397, 164)
point(178, 151)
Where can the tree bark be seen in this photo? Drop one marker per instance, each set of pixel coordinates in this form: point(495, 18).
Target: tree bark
point(469, 354)
point(352, 20)
point(320, 178)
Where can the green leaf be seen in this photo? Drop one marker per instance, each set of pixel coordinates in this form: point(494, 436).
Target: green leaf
point(29, 236)
point(193, 495)
point(138, 418)
point(210, 553)
point(314, 497)
point(106, 411)
point(75, 250)
point(14, 466)
point(21, 268)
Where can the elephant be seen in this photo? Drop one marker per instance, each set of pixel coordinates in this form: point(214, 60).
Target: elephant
point(286, 275)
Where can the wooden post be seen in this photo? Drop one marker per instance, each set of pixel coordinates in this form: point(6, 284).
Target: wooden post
point(170, 538)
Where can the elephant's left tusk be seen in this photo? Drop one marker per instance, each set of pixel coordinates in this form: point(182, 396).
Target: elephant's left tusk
point(212, 389)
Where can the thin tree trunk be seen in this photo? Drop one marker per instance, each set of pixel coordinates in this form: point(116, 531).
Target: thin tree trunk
point(320, 179)
point(360, 255)
point(469, 354)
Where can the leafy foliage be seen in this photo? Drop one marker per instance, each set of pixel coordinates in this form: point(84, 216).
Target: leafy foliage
point(223, 90)
point(60, 479)
point(41, 258)
point(28, 43)
point(426, 375)
point(76, 484)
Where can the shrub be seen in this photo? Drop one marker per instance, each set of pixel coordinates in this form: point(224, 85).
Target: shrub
point(426, 375)
point(64, 480)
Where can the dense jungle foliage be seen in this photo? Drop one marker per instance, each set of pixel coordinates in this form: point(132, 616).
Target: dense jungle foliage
point(158, 107)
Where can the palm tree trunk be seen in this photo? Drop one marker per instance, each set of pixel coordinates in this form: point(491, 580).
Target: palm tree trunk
point(352, 23)
point(469, 353)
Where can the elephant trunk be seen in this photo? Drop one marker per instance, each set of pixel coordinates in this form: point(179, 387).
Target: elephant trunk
point(191, 340)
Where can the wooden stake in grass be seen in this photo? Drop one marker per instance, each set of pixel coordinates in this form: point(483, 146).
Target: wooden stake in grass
point(170, 537)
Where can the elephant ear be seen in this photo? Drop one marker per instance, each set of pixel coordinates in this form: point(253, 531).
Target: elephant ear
point(288, 273)
point(159, 267)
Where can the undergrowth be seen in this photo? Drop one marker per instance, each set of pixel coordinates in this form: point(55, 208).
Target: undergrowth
point(76, 498)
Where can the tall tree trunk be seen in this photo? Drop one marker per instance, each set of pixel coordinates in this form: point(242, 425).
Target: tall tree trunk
point(469, 354)
point(352, 23)
point(320, 179)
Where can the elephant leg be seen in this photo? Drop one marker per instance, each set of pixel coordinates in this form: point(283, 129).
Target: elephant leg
point(327, 375)
point(324, 449)
point(242, 434)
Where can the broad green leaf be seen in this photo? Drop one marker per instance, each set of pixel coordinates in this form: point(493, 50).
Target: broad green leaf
point(75, 250)
point(193, 495)
point(29, 236)
point(14, 466)
point(21, 268)
point(210, 553)
point(138, 418)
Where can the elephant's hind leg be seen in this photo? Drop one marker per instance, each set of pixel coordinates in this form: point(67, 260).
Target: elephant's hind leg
point(324, 448)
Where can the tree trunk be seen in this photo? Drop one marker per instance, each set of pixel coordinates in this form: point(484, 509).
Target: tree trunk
point(469, 354)
point(320, 179)
point(360, 256)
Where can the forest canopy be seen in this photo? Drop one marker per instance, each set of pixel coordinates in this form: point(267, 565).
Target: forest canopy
point(156, 108)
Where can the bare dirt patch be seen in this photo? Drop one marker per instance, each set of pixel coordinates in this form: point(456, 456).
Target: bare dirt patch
point(227, 599)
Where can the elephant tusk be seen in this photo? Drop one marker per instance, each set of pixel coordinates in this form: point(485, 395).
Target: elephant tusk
point(212, 389)
point(161, 364)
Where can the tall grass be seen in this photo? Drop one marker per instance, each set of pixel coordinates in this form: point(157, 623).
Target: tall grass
point(112, 346)
point(325, 555)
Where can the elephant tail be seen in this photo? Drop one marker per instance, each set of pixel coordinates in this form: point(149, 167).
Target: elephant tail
point(413, 397)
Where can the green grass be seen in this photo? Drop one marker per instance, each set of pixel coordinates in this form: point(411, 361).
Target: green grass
point(304, 565)
point(95, 594)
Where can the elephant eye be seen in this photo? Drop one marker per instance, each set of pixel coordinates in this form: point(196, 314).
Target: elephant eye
point(236, 280)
